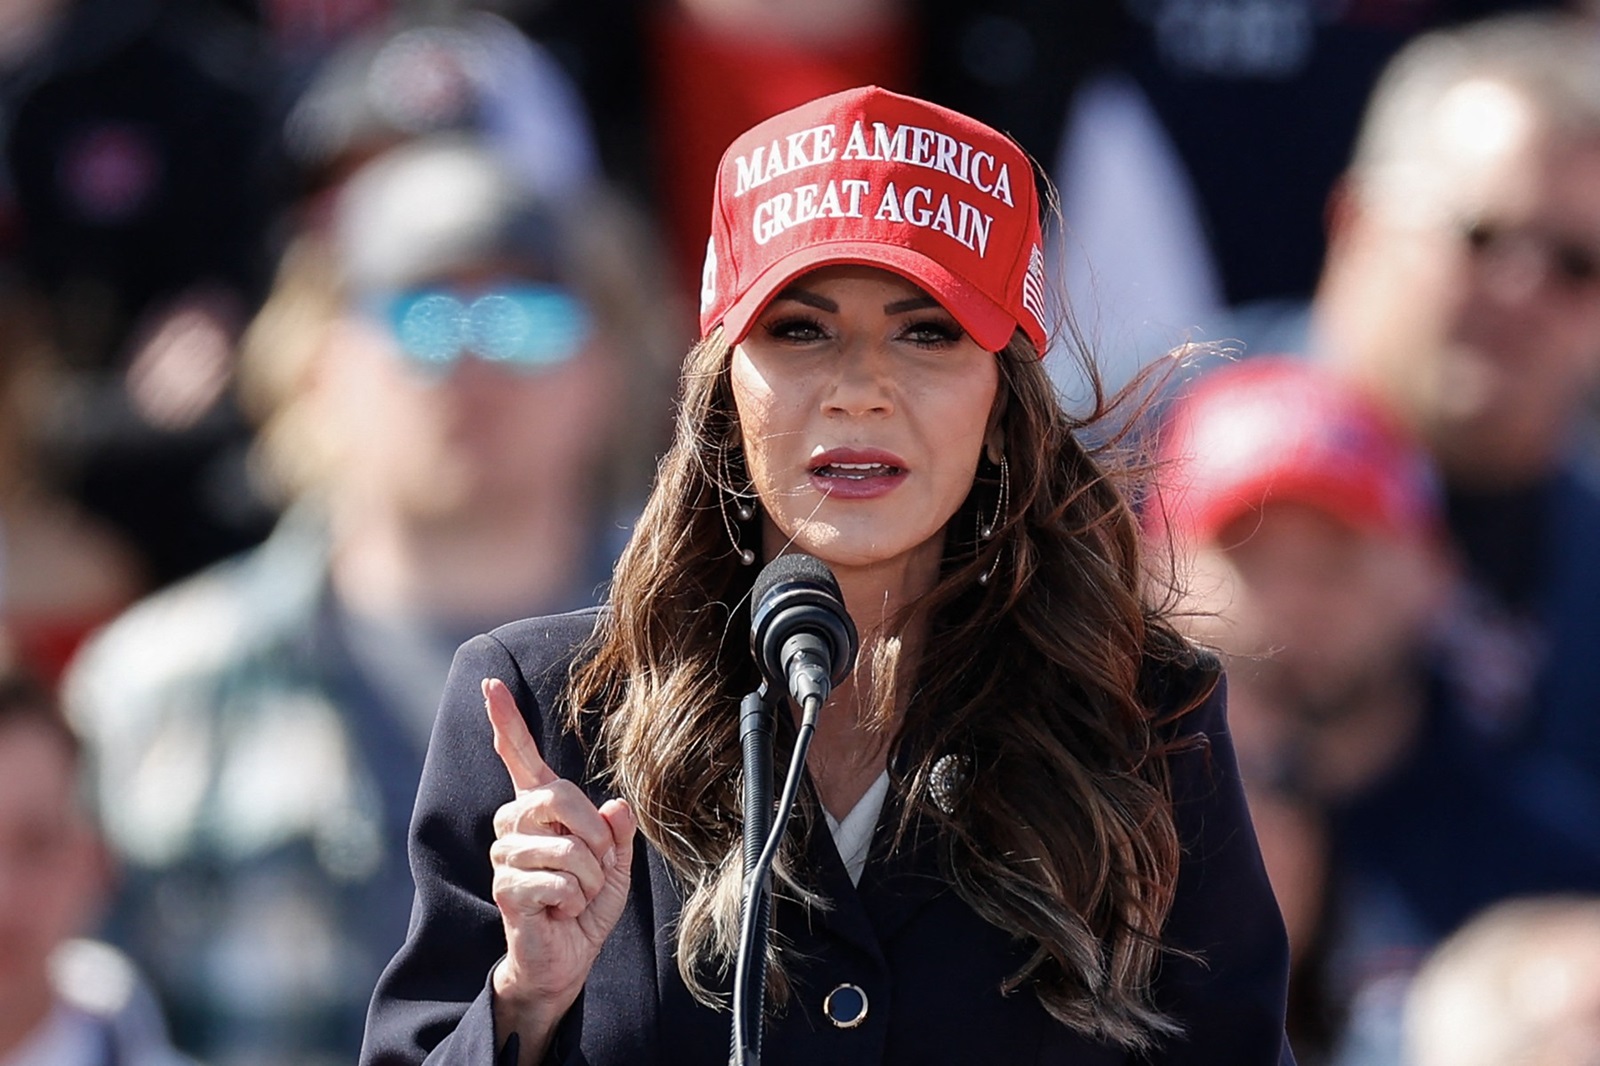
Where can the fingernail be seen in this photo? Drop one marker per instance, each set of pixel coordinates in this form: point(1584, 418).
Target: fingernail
point(609, 859)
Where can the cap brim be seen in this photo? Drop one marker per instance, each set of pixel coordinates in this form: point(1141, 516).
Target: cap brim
point(984, 320)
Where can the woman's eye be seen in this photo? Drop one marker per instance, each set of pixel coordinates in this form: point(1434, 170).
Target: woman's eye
point(799, 328)
point(933, 333)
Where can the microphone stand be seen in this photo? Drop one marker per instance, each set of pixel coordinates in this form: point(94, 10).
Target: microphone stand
point(750, 970)
point(756, 722)
point(804, 642)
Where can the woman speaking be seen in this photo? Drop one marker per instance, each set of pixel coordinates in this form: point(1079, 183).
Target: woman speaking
point(1021, 838)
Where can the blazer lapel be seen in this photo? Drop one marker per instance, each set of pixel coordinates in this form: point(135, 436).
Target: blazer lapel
point(900, 880)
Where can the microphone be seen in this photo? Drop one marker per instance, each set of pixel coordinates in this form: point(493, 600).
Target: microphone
point(804, 642)
point(800, 633)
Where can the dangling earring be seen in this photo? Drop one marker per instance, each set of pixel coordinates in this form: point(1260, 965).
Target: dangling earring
point(988, 530)
point(983, 578)
point(743, 511)
point(1002, 501)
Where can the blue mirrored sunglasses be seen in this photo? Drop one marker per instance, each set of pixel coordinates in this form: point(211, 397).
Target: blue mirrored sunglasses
point(527, 326)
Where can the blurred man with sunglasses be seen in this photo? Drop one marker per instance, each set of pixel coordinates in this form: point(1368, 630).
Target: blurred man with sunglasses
point(454, 383)
point(1462, 286)
point(1463, 272)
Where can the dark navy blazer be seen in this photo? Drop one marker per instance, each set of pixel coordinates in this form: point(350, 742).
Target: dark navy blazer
point(931, 968)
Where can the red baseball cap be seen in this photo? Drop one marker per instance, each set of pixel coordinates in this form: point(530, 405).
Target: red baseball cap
point(1277, 428)
point(870, 176)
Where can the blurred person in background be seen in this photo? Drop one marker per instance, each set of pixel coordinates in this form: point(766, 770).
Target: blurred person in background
point(416, 74)
point(1462, 289)
point(1306, 528)
point(140, 179)
point(1309, 526)
point(455, 390)
point(1194, 143)
point(1520, 983)
point(63, 1002)
point(63, 572)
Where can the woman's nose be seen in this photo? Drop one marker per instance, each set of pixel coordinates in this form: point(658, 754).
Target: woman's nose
point(863, 382)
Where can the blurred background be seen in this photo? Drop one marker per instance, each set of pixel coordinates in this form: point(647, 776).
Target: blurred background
point(333, 332)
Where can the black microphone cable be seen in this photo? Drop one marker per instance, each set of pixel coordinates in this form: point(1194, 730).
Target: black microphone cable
point(757, 890)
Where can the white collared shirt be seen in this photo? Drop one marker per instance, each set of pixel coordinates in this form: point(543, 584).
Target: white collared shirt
point(853, 836)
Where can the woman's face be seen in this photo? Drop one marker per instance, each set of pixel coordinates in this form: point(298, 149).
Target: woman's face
point(863, 407)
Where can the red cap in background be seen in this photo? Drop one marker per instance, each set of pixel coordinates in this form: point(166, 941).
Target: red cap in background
point(1280, 429)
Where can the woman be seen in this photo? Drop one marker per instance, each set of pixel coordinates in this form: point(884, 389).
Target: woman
point(1062, 869)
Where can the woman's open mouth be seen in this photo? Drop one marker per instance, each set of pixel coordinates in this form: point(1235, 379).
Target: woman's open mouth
point(856, 471)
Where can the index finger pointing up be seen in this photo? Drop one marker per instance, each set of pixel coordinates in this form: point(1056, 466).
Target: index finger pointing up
point(512, 741)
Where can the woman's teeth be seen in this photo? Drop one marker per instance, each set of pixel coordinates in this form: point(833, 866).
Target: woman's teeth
point(856, 471)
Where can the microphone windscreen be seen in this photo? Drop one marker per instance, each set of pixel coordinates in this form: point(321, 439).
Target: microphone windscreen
point(789, 568)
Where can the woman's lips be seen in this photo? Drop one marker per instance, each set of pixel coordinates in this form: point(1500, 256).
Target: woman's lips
point(856, 474)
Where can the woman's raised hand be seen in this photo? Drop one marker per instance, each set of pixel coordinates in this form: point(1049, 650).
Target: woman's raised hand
point(561, 874)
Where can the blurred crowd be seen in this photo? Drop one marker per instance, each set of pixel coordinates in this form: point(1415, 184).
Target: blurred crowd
point(333, 332)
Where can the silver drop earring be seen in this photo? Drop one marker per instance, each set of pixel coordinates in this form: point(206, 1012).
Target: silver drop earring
point(743, 511)
point(987, 531)
point(1002, 501)
point(983, 578)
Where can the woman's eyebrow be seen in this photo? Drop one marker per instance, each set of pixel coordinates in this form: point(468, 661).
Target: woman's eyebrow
point(822, 303)
point(809, 298)
point(915, 303)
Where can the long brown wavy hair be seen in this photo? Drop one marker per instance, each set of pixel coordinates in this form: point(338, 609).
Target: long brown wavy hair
point(1032, 746)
